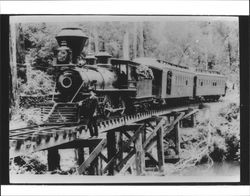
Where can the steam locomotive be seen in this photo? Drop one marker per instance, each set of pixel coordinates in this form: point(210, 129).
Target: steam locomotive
point(123, 85)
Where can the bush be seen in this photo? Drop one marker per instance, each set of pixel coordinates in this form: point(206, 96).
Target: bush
point(230, 112)
point(39, 83)
point(21, 165)
point(233, 147)
point(218, 149)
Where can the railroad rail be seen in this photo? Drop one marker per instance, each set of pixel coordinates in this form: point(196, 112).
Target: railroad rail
point(31, 139)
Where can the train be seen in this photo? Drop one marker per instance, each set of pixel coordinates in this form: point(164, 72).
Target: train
point(124, 86)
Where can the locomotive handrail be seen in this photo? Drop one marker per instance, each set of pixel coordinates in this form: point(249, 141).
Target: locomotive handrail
point(77, 92)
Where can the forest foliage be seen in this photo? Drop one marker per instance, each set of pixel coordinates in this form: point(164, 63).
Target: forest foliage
point(213, 43)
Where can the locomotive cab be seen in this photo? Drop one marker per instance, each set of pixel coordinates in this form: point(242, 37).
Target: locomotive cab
point(136, 77)
point(126, 72)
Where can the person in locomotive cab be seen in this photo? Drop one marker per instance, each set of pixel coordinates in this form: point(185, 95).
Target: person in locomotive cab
point(81, 61)
point(92, 114)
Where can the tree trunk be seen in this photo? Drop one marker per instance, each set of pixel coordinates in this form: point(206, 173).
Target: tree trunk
point(206, 58)
point(135, 40)
point(96, 39)
point(229, 55)
point(13, 70)
point(20, 51)
point(141, 40)
point(183, 54)
point(126, 45)
point(90, 39)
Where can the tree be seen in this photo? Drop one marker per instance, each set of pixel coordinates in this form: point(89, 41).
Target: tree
point(95, 39)
point(134, 40)
point(126, 44)
point(41, 43)
point(141, 40)
point(14, 98)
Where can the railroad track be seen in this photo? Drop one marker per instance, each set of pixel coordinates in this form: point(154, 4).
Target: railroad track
point(31, 139)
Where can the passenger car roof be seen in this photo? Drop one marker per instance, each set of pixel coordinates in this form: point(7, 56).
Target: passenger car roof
point(161, 65)
point(150, 62)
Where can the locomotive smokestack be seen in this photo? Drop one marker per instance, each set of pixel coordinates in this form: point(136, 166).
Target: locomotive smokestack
point(74, 38)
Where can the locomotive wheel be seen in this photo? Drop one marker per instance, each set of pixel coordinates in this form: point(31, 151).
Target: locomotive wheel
point(113, 106)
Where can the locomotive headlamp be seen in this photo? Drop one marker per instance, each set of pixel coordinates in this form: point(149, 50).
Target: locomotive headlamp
point(66, 82)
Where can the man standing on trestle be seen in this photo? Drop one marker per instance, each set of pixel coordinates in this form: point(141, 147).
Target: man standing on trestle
point(92, 123)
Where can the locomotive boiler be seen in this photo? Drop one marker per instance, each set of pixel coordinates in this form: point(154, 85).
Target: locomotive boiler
point(78, 80)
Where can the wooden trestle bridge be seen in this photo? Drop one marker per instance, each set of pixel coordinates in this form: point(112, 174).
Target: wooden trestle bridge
point(134, 143)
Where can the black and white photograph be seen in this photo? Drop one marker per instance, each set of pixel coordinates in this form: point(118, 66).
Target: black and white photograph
point(114, 99)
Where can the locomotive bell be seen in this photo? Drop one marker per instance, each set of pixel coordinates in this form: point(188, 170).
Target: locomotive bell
point(74, 38)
